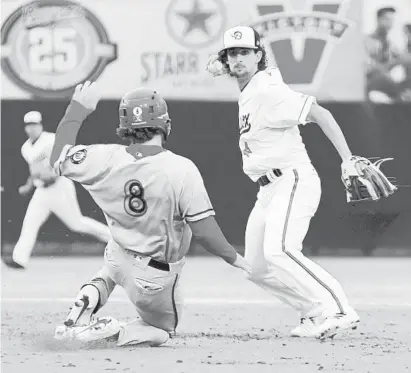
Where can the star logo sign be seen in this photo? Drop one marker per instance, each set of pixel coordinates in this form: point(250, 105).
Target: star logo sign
point(196, 19)
point(195, 23)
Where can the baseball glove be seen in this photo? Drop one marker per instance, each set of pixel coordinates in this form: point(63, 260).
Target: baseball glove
point(363, 180)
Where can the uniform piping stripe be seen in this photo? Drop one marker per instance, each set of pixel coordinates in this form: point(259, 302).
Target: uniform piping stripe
point(199, 213)
point(174, 303)
point(292, 257)
point(302, 109)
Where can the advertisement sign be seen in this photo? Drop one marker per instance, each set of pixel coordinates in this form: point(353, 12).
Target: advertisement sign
point(49, 46)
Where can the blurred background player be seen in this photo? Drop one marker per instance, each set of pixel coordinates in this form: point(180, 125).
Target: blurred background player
point(154, 201)
point(385, 60)
point(52, 194)
point(275, 157)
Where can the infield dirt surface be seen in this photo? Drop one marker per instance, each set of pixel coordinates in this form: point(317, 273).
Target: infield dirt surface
point(229, 324)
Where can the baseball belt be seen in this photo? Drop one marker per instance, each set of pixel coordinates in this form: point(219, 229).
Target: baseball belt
point(269, 177)
point(159, 265)
point(153, 262)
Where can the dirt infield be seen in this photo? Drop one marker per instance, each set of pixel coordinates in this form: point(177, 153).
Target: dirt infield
point(229, 324)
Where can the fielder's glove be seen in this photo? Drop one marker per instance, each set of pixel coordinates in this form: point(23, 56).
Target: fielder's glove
point(363, 180)
point(214, 66)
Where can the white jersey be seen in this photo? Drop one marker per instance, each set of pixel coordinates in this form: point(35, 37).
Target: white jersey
point(147, 194)
point(37, 156)
point(269, 115)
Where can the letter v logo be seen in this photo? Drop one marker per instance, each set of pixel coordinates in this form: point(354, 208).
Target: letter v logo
point(300, 36)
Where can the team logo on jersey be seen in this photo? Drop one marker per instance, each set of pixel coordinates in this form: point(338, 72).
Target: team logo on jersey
point(245, 124)
point(300, 36)
point(195, 24)
point(50, 46)
point(79, 156)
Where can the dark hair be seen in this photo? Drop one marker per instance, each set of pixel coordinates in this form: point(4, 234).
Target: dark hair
point(262, 65)
point(381, 12)
point(138, 135)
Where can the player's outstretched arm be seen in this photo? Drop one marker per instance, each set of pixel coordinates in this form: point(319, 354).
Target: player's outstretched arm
point(196, 208)
point(210, 236)
point(362, 179)
point(331, 129)
point(83, 103)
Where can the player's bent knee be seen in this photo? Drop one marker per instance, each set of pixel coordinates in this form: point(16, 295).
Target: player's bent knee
point(139, 332)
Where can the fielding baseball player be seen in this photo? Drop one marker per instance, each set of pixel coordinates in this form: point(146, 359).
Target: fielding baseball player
point(53, 194)
point(274, 156)
point(153, 200)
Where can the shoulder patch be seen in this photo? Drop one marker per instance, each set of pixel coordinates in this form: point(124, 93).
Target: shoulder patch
point(79, 156)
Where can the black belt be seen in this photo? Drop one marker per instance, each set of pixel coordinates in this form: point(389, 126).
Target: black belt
point(159, 265)
point(264, 180)
point(156, 264)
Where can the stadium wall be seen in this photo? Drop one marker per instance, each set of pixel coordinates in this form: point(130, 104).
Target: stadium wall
point(206, 132)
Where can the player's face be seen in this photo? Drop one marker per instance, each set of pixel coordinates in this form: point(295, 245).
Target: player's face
point(243, 61)
point(33, 131)
point(386, 21)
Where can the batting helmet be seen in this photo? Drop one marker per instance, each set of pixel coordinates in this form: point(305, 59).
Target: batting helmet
point(144, 108)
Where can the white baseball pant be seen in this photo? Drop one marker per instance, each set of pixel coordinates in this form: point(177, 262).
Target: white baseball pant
point(60, 199)
point(154, 292)
point(275, 232)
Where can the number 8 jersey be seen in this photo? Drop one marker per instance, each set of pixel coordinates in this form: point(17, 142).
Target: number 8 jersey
point(147, 194)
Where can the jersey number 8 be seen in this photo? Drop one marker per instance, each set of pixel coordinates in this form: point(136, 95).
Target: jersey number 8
point(134, 202)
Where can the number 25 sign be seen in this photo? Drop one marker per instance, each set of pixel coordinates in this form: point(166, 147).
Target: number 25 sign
point(49, 46)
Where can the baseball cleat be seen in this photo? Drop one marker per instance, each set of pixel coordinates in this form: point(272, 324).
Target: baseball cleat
point(307, 329)
point(99, 329)
point(11, 263)
point(337, 323)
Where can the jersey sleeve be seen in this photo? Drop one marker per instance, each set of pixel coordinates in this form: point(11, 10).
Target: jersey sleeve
point(194, 201)
point(24, 152)
point(84, 164)
point(49, 144)
point(286, 107)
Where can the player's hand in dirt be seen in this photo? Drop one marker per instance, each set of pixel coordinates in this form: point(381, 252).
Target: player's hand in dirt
point(242, 264)
point(87, 94)
point(25, 189)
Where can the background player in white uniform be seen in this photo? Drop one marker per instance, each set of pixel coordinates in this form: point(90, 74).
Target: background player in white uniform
point(153, 200)
point(275, 157)
point(52, 195)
